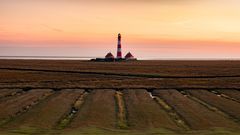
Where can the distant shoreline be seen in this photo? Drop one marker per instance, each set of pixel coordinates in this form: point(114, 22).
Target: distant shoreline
point(88, 58)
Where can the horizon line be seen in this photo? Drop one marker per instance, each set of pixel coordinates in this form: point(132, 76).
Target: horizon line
point(89, 57)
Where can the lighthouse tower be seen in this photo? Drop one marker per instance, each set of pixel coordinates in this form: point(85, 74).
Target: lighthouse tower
point(119, 47)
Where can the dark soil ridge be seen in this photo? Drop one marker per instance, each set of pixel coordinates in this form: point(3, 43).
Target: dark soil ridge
point(122, 74)
point(122, 88)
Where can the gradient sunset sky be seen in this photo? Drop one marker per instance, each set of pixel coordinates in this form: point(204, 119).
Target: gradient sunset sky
point(151, 29)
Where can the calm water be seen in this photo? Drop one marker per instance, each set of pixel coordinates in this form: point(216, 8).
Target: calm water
point(45, 58)
point(89, 58)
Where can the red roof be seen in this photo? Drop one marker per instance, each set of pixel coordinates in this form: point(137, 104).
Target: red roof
point(129, 56)
point(109, 55)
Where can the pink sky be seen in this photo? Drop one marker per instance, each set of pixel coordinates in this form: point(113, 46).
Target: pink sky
point(151, 29)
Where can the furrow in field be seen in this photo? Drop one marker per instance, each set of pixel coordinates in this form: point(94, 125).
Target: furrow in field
point(98, 110)
point(121, 111)
point(64, 122)
point(171, 112)
point(231, 93)
point(48, 113)
point(15, 105)
point(8, 92)
point(225, 105)
point(143, 112)
point(196, 115)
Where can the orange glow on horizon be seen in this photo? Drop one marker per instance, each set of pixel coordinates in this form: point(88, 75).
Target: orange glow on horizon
point(145, 24)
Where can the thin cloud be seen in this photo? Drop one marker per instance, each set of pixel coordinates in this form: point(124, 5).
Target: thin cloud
point(52, 28)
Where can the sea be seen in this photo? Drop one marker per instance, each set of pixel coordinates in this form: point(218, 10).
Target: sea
point(89, 58)
point(45, 58)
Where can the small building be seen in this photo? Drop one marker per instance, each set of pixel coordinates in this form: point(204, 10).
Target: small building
point(129, 56)
point(109, 56)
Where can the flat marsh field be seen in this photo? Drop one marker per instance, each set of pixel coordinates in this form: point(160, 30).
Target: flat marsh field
point(72, 97)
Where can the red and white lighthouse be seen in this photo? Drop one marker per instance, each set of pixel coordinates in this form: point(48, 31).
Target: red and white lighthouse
point(119, 47)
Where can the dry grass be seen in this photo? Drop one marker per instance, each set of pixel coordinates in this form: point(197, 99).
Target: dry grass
point(143, 112)
point(9, 92)
point(64, 122)
point(121, 111)
point(196, 115)
point(98, 110)
point(228, 106)
point(14, 105)
point(140, 74)
point(106, 109)
point(23, 79)
point(49, 112)
point(170, 68)
point(235, 94)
